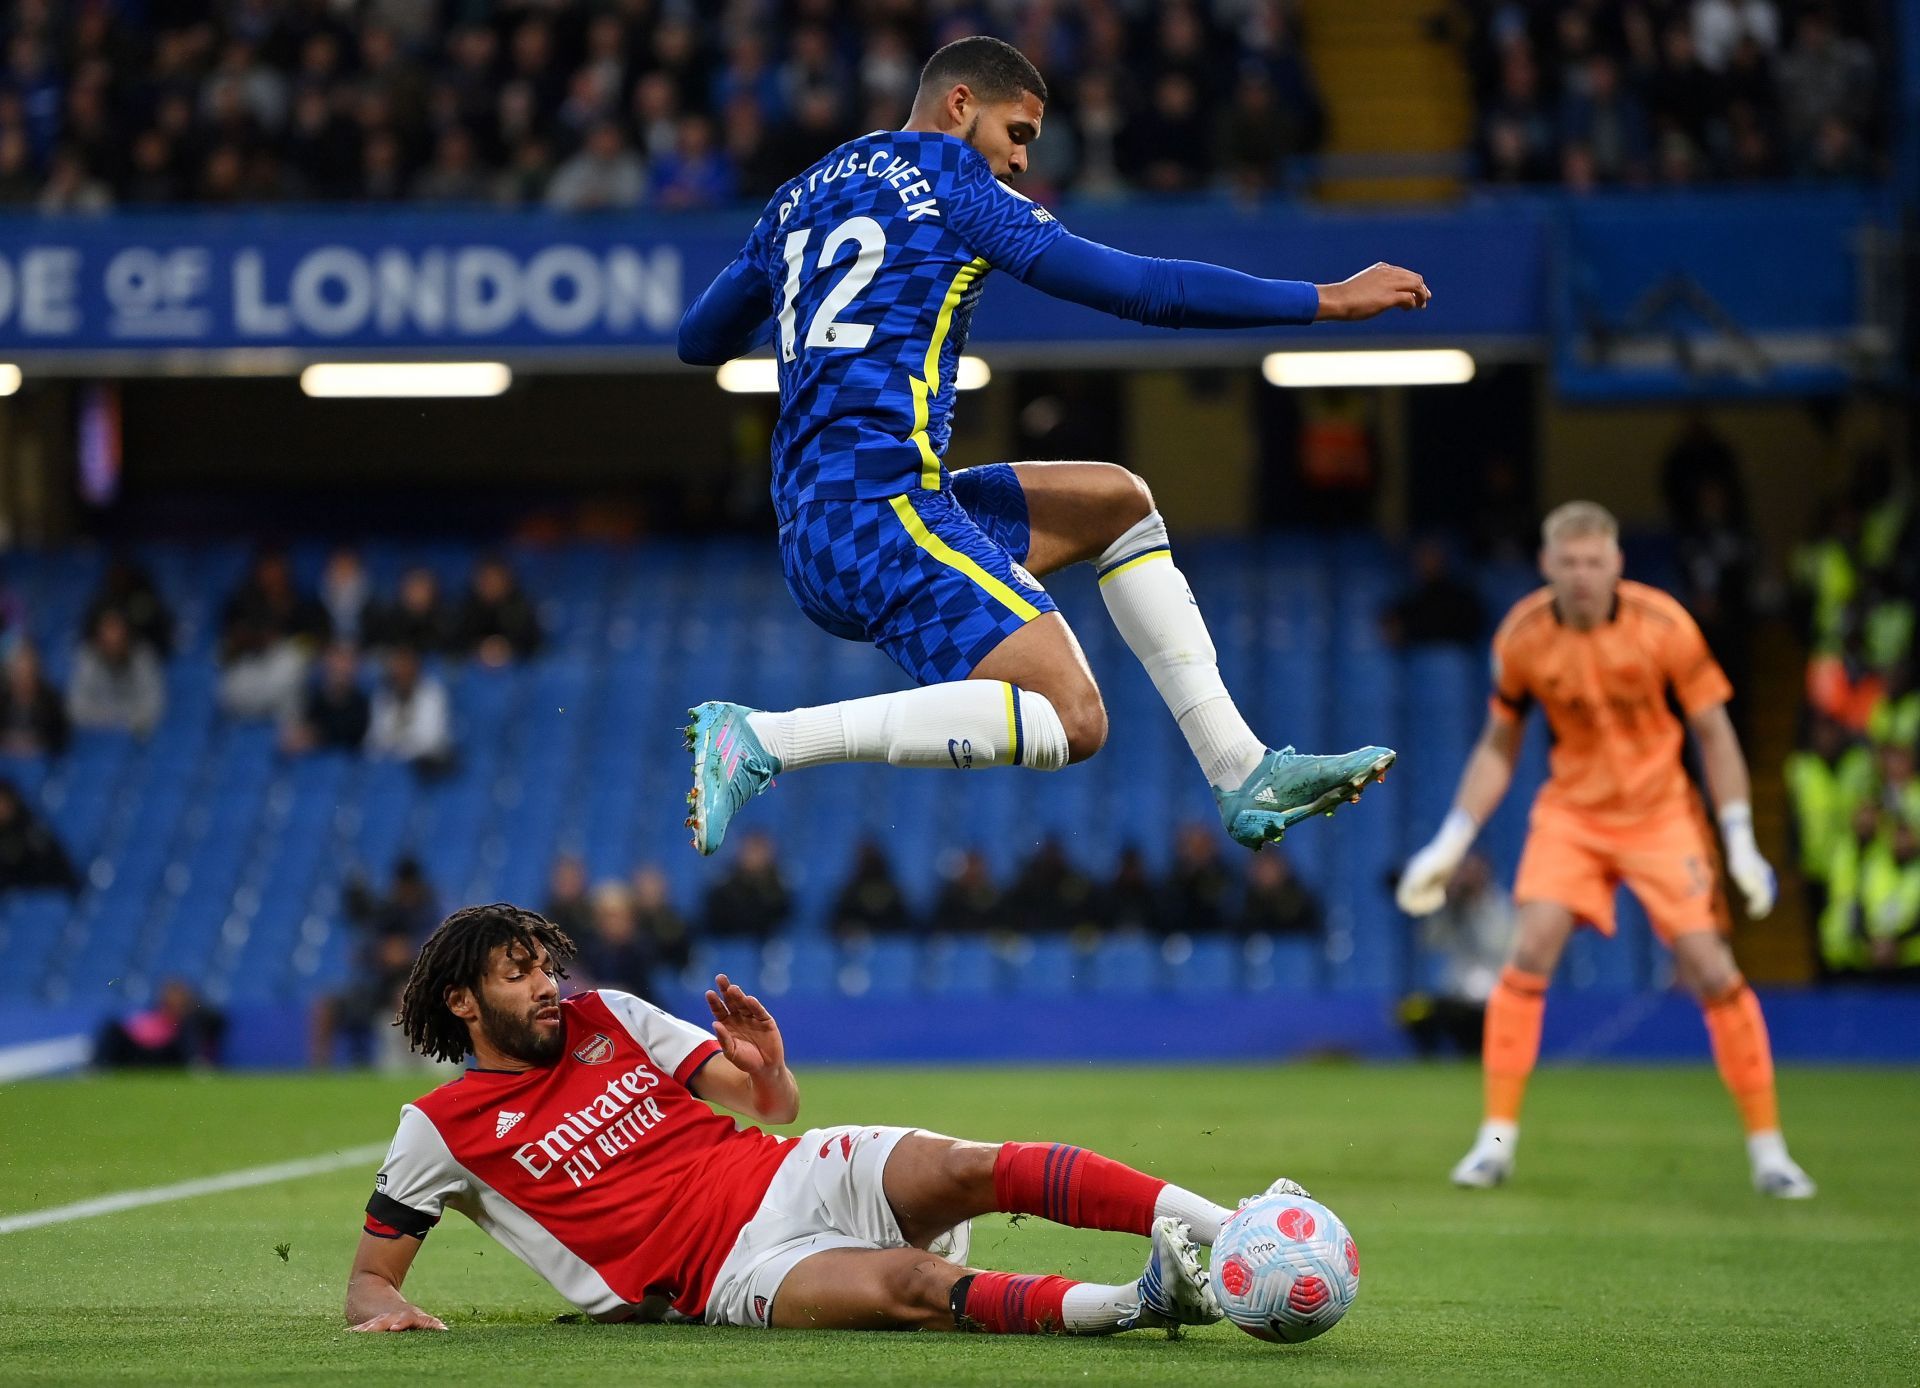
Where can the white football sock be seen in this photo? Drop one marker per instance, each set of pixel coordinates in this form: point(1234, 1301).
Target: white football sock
point(1091, 1309)
point(1203, 1217)
point(963, 725)
point(1150, 602)
point(1767, 1149)
point(1499, 1134)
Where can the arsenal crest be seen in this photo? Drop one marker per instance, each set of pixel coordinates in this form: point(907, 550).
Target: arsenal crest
point(598, 1050)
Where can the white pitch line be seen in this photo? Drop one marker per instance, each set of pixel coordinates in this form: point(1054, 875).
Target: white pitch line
point(187, 1190)
point(37, 1058)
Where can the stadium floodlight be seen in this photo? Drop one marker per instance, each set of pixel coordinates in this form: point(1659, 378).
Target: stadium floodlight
point(336, 380)
point(749, 376)
point(9, 378)
point(972, 373)
point(761, 375)
point(1444, 366)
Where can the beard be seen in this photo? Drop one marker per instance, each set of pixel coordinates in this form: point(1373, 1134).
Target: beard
point(514, 1033)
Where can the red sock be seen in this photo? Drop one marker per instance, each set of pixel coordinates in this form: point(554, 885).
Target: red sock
point(1007, 1303)
point(1070, 1185)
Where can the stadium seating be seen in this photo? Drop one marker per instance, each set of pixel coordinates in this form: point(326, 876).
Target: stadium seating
point(208, 854)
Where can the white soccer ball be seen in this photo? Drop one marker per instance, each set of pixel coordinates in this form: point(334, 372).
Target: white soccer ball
point(1285, 1268)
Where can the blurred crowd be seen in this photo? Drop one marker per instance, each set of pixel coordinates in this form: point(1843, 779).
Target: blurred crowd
point(31, 855)
point(633, 935)
point(617, 104)
point(590, 104)
point(1591, 93)
point(286, 653)
point(1855, 795)
point(1202, 893)
point(179, 1029)
point(295, 656)
point(1716, 552)
point(1464, 945)
point(1049, 893)
point(347, 665)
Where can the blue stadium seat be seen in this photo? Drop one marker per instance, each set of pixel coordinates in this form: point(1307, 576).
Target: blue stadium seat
point(960, 967)
point(206, 849)
point(1206, 964)
point(1050, 965)
point(812, 966)
point(1296, 964)
point(35, 922)
point(1128, 965)
point(885, 968)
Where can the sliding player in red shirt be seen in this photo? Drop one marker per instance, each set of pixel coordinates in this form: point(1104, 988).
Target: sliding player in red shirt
point(582, 1140)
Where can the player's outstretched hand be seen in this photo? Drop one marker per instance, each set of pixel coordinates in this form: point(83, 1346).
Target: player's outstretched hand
point(1372, 292)
point(413, 1318)
point(749, 1036)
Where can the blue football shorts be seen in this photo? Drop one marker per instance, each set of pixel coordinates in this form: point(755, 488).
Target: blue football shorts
point(934, 579)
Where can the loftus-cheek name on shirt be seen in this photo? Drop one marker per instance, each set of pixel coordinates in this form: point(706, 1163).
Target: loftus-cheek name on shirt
point(582, 1141)
point(902, 174)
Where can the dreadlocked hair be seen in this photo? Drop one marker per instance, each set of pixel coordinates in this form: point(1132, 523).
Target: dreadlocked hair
point(456, 956)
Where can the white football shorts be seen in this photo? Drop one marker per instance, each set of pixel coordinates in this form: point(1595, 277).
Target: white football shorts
point(828, 1194)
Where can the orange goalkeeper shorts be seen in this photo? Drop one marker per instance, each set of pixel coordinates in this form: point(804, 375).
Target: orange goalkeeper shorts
point(1671, 862)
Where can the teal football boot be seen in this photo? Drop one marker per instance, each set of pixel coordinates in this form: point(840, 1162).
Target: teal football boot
point(1287, 787)
point(730, 767)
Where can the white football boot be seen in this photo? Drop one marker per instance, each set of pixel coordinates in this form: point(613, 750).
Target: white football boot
point(1174, 1289)
point(1490, 1161)
point(1283, 1186)
point(1774, 1172)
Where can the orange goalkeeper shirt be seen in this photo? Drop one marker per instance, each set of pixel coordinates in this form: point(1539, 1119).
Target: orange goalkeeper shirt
point(1616, 741)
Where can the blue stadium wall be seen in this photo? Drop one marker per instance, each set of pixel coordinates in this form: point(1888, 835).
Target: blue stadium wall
point(1778, 283)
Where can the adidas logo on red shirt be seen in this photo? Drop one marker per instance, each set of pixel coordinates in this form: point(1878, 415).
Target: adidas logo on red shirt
point(506, 1122)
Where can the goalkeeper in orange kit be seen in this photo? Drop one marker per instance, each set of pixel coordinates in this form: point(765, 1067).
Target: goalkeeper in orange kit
point(1600, 655)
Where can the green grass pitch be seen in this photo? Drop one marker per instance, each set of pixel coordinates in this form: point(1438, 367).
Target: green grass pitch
point(1629, 1250)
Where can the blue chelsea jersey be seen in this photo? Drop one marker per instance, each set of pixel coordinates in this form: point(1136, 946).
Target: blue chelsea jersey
point(875, 258)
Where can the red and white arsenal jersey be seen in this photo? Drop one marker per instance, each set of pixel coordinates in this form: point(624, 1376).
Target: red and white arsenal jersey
point(602, 1172)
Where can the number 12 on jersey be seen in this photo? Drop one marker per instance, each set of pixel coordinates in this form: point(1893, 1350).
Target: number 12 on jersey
point(827, 330)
